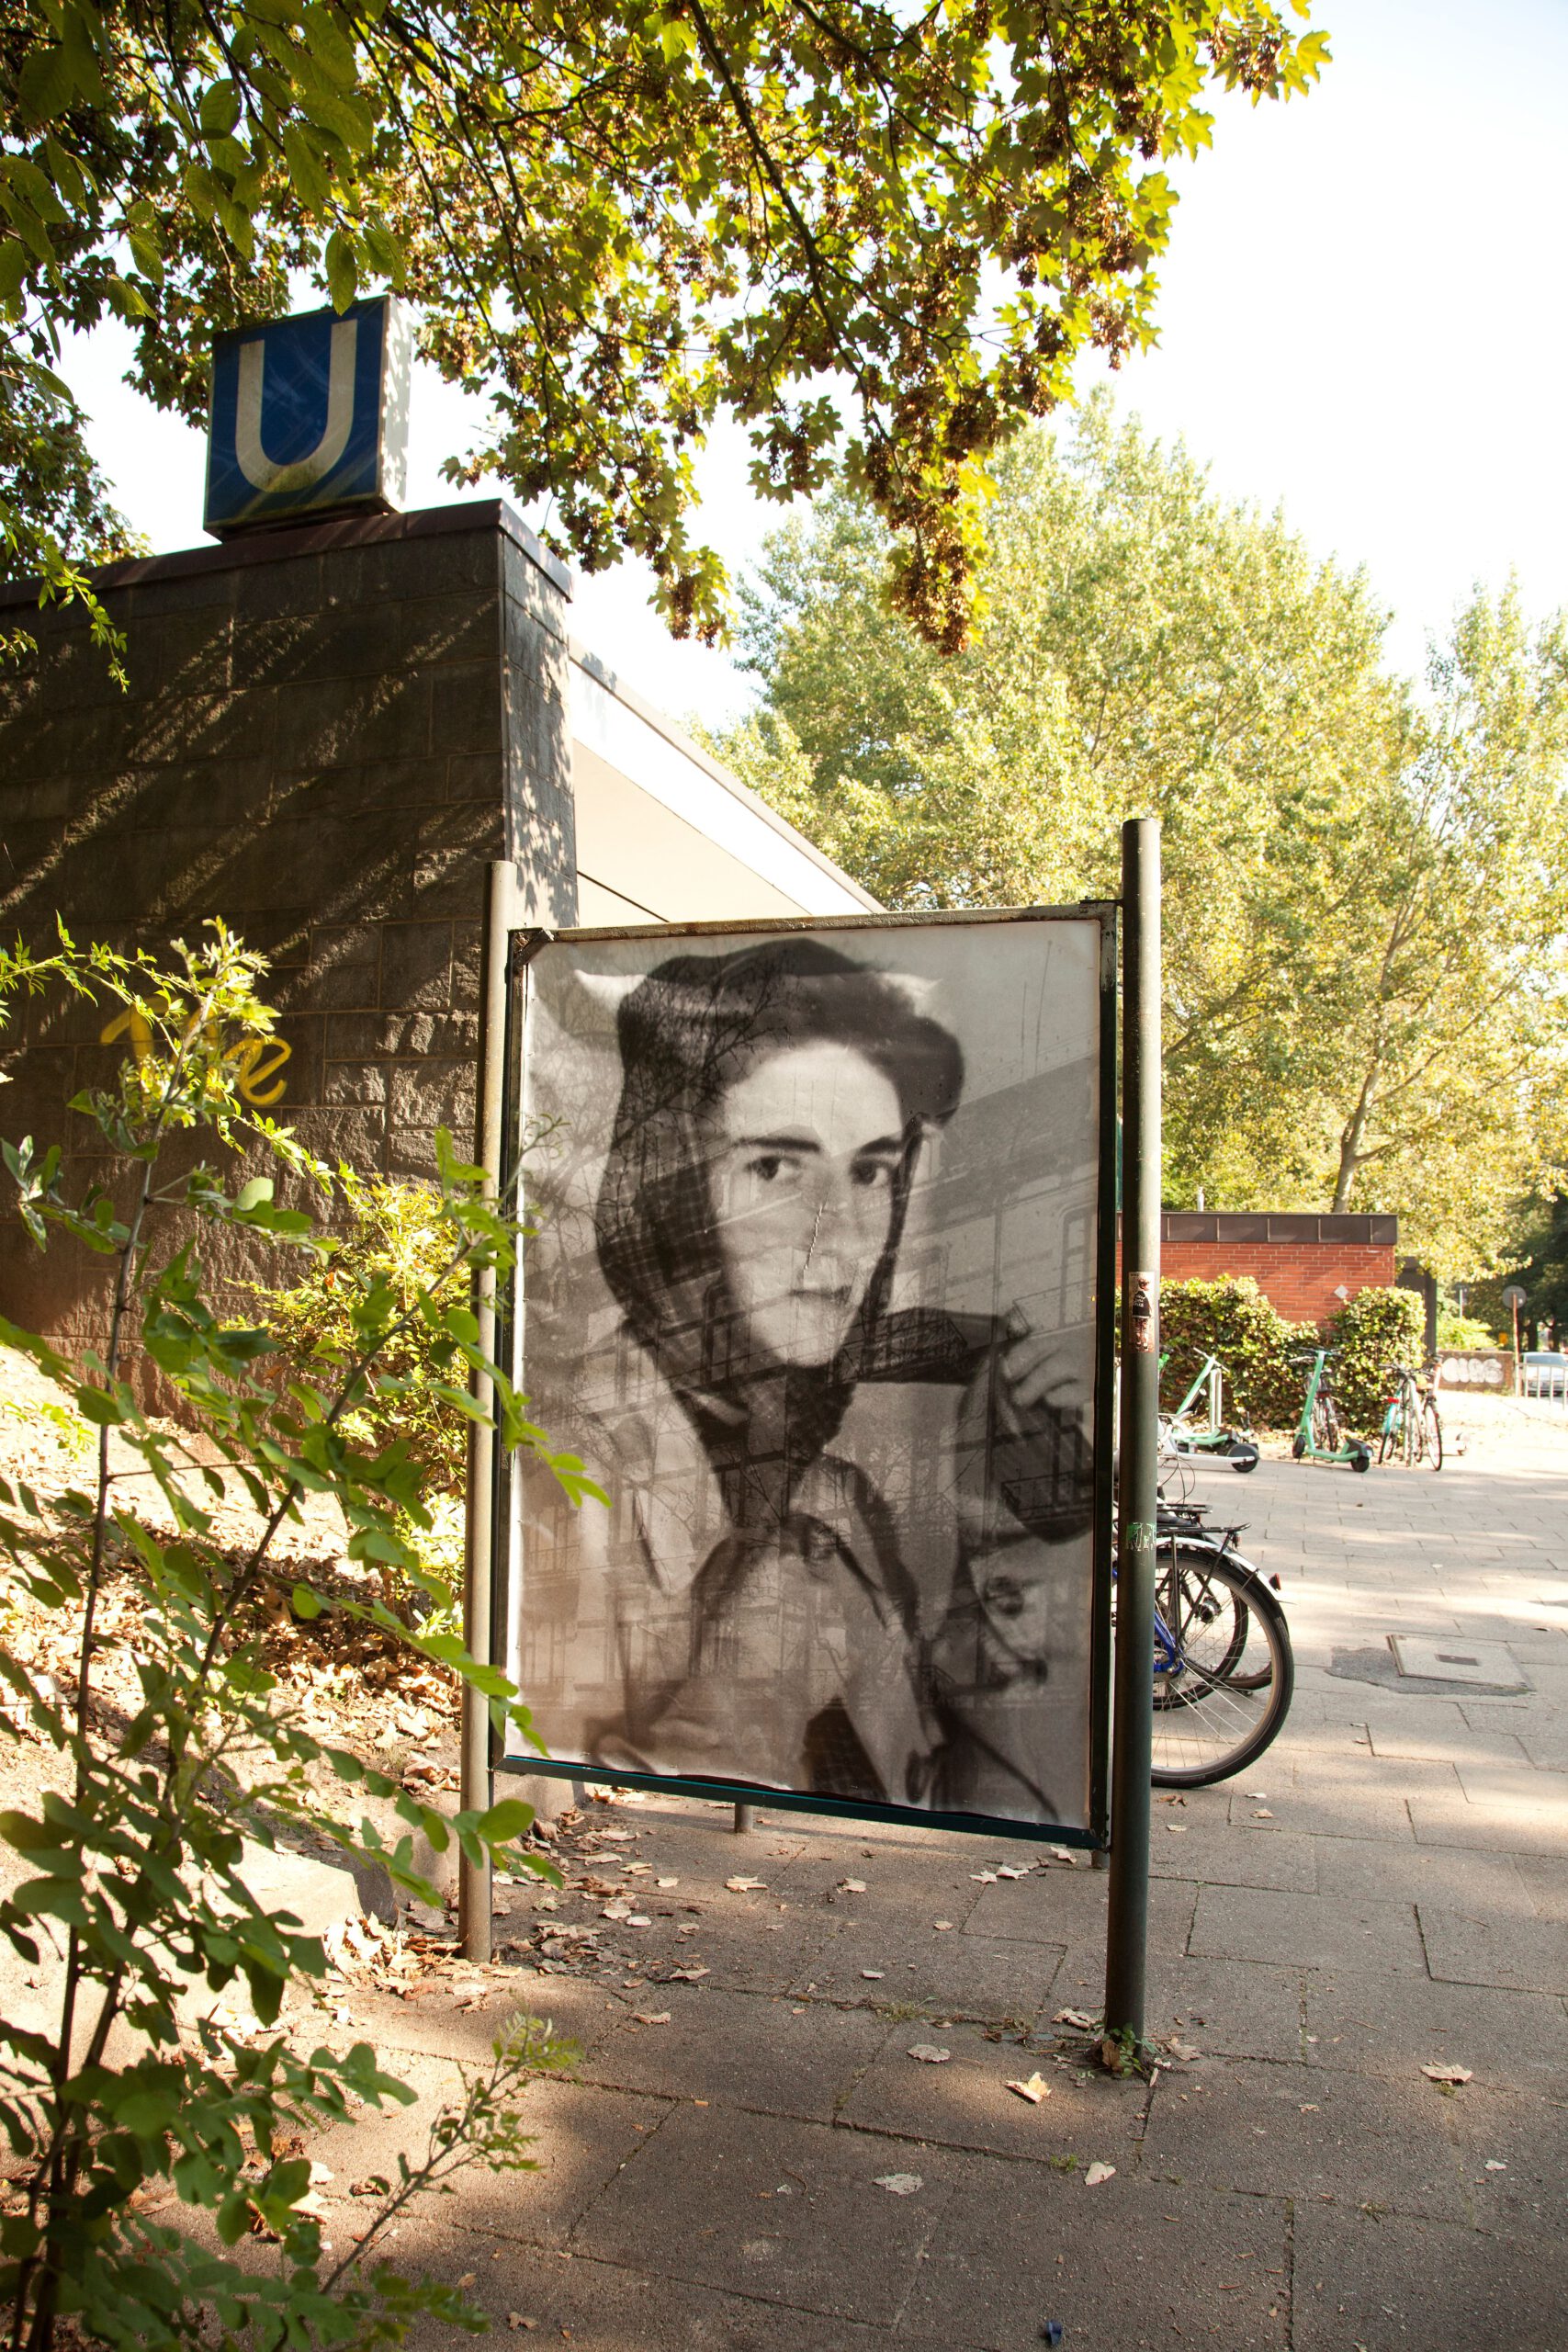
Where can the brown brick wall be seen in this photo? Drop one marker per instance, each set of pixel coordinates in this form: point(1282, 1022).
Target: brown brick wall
point(1302, 1280)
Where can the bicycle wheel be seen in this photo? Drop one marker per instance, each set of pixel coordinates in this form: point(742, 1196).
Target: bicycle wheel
point(1410, 1434)
point(1327, 1428)
point(1224, 1692)
point(1246, 1662)
point(1431, 1435)
point(1389, 1438)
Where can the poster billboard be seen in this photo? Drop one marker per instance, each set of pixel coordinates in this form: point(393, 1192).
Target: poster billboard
point(817, 1292)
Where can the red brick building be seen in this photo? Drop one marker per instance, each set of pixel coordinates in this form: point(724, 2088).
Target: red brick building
point(1306, 1266)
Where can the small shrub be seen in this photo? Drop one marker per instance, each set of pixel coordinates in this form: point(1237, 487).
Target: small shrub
point(1373, 1331)
point(125, 1877)
point(1232, 1319)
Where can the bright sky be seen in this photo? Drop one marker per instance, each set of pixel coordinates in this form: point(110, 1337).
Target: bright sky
point(1363, 318)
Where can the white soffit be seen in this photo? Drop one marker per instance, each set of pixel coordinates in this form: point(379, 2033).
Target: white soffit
point(727, 813)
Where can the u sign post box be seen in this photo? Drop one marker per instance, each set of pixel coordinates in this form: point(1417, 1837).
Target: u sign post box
point(310, 416)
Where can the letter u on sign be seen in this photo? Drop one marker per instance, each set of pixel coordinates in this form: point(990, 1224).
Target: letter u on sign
point(299, 473)
point(310, 416)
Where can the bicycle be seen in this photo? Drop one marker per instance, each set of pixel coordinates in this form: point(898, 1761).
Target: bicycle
point(1411, 1425)
point(1224, 1668)
point(1178, 1434)
point(1321, 1434)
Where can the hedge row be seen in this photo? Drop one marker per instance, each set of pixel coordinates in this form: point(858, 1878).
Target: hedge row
point(1233, 1320)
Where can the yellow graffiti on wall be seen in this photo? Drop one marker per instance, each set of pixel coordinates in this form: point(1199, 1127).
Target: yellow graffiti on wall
point(255, 1059)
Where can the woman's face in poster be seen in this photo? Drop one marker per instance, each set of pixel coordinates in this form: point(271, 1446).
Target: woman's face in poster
point(805, 1149)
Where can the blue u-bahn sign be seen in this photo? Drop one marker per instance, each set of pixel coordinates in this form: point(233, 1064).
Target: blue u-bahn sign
point(309, 414)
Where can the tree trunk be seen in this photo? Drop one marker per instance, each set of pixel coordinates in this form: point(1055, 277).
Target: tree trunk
point(1350, 1139)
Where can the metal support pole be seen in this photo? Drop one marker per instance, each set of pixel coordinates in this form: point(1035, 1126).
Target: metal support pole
point(474, 1894)
point(1127, 1936)
point(745, 1819)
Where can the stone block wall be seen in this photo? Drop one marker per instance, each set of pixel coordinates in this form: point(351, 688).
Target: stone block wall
point(329, 731)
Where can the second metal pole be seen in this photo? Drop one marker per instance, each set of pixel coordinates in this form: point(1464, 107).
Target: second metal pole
point(1126, 1938)
point(474, 1892)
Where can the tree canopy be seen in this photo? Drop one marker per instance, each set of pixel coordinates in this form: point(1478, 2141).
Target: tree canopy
point(875, 235)
point(1367, 886)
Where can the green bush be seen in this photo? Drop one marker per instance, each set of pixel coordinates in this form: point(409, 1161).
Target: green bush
point(1463, 1330)
point(125, 1862)
point(1232, 1319)
point(397, 1237)
point(1373, 1331)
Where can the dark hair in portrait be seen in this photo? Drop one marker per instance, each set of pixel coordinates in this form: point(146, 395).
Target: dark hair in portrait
point(688, 1032)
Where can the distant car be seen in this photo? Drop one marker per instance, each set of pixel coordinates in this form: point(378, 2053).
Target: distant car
point(1545, 1373)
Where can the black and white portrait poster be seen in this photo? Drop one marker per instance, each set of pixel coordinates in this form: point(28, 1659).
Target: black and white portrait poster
point(812, 1294)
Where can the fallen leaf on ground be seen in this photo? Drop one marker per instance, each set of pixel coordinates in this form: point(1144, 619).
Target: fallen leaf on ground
point(1081, 2018)
point(1493, 2166)
point(942, 1925)
point(1096, 2173)
point(1176, 1828)
point(1034, 2090)
point(1011, 1869)
point(468, 2279)
point(899, 2184)
point(745, 1885)
point(929, 2054)
point(650, 2016)
point(1184, 2050)
point(1447, 2074)
point(852, 1887)
point(639, 1919)
point(666, 1882)
point(516, 2320)
point(687, 1975)
point(1262, 1813)
point(984, 1878)
point(876, 1973)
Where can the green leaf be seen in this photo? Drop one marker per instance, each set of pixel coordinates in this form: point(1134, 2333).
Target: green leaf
point(46, 81)
point(343, 271)
point(504, 1820)
point(306, 169)
point(219, 108)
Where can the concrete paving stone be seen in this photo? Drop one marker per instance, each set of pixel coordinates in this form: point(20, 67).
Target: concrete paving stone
point(1236, 2007)
point(745, 2050)
point(708, 2210)
point(1122, 2266)
point(1455, 1821)
point(1522, 1789)
point(1217, 1855)
point(1471, 1948)
point(1308, 1931)
point(1347, 1807)
point(1051, 1907)
point(1231, 2123)
point(1396, 2027)
point(1452, 1875)
point(1527, 2134)
point(965, 2103)
point(1545, 1878)
point(580, 2009)
point(953, 1975)
point(1454, 1742)
point(1396, 2284)
point(605, 2306)
point(581, 2138)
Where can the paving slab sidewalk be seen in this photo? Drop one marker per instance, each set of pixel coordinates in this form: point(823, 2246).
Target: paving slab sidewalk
point(740, 2175)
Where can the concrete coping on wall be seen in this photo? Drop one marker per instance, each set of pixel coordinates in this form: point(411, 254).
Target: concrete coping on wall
point(1277, 1226)
point(274, 542)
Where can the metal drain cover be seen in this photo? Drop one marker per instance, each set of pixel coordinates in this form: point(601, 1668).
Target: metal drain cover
point(1456, 1659)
